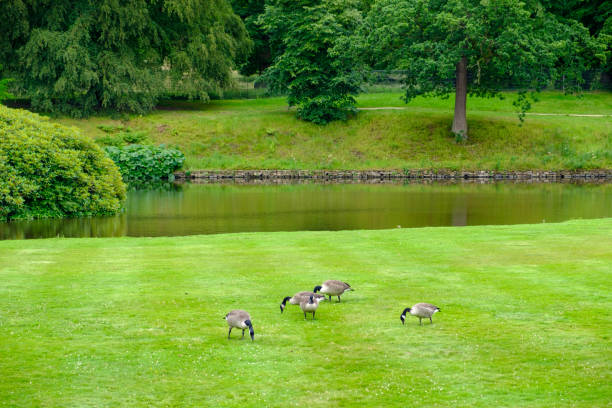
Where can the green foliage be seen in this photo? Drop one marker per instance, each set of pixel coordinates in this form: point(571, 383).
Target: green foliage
point(81, 56)
point(313, 64)
point(4, 94)
point(145, 162)
point(605, 36)
point(505, 42)
point(591, 13)
point(575, 160)
point(112, 128)
point(49, 170)
point(120, 136)
point(260, 57)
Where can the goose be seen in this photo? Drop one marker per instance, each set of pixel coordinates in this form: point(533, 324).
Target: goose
point(241, 320)
point(333, 288)
point(420, 310)
point(296, 299)
point(310, 305)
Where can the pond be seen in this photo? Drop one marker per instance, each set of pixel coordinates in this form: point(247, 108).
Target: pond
point(187, 209)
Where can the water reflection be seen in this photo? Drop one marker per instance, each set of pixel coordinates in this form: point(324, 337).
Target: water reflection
point(174, 209)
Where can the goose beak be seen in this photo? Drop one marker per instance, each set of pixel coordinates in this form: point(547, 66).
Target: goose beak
point(252, 333)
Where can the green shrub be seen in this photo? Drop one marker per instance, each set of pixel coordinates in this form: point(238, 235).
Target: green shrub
point(50, 170)
point(112, 128)
point(130, 137)
point(119, 136)
point(123, 138)
point(145, 162)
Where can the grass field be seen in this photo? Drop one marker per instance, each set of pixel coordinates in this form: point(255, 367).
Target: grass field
point(526, 319)
point(263, 133)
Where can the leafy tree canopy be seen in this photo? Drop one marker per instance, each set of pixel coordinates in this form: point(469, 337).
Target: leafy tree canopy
point(474, 46)
point(605, 36)
point(77, 56)
point(591, 13)
point(260, 57)
point(311, 39)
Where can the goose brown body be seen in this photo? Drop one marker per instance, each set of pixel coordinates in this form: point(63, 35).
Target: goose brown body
point(297, 298)
point(241, 320)
point(310, 305)
point(333, 288)
point(422, 311)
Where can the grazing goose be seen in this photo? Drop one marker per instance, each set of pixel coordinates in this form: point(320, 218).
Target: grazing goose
point(333, 288)
point(241, 320)
point(310, 305)
point(420, 310)
point(297, 298)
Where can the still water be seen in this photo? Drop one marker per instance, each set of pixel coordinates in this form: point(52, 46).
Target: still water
point(220, 208)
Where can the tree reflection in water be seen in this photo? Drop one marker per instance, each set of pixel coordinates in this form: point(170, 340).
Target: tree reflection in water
point(172, 209)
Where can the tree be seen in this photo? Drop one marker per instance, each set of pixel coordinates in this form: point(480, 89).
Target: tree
point(596, 15)
point(311, 40)
point(591, 13)
point(260, 57)
point(474, 47)
point(605, 36)
point(85, 55)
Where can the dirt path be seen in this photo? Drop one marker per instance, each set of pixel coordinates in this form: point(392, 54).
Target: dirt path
point(570, 114)
point(528, 113)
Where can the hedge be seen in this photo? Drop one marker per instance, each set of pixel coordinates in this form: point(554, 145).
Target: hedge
point(48, 170)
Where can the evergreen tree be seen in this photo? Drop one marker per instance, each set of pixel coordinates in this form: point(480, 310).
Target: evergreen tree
point(78, 56)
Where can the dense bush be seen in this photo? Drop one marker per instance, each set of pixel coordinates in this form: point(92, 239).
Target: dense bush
point(145, 162)
point(49, 170)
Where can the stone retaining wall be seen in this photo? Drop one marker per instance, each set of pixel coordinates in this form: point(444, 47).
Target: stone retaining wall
point(390, 174)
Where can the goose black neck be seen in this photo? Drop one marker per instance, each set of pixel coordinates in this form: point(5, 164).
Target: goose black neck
point(311, 299)
point(316, 289)
point(251, 331)
point(403, 315)
point(283, 303)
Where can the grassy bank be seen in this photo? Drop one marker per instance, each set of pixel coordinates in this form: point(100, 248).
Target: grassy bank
point(262, 133)
point(525, 319)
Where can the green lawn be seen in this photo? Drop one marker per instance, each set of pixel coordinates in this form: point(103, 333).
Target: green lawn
point(548, 102)
point(526, 319)
point(263, 133)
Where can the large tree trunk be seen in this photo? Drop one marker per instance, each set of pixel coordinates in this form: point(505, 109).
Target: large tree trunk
point(460, 120)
